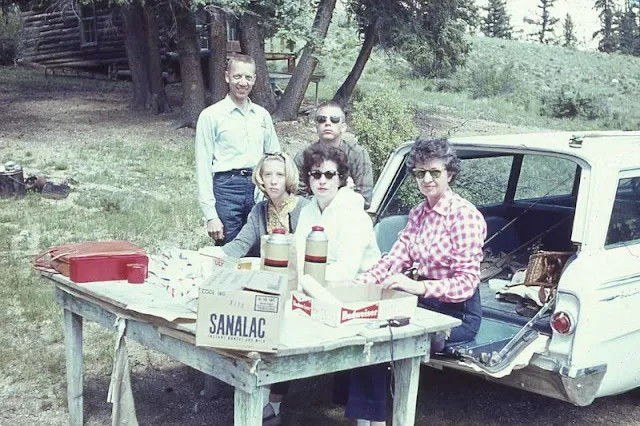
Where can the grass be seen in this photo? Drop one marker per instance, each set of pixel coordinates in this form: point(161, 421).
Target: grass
point(538, 71)
point(126, 184)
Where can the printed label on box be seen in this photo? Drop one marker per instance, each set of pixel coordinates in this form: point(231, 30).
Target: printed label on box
point(233, 327)
point(354, 308)
point(303, 305)
point(367, 312)
point(266, 304)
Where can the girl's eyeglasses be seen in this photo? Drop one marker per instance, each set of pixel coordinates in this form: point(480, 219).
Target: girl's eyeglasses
point(317, 174)
point(335, 119)
point(274, 154)
point(421, 173)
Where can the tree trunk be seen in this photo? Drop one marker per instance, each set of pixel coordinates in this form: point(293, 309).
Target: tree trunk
point(159, 102)
point(135, 41)
point(218, 56)
point(252, 44)
point(294, 94)
point(345, 91)
point(190, 69)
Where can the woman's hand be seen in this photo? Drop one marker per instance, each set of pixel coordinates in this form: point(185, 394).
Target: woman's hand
point(403, 283)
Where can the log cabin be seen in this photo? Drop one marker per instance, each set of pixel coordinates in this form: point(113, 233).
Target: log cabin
point(89, 37)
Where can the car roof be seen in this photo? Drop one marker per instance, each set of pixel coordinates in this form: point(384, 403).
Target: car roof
point(594, 147)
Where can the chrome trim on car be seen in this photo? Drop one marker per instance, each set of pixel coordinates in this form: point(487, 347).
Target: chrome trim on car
point(574, 373)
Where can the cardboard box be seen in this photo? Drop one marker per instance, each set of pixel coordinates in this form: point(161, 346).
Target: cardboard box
point(360, 304)
point(211, 260)
point(241, 309)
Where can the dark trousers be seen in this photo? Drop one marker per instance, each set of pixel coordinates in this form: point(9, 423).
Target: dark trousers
point(469, 312)
point(234, 200)
point(368, 393)
point(280, 388)
point(367, 389)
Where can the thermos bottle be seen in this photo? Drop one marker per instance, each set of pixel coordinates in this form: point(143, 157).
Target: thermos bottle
point(276, 252)
point(315, 254)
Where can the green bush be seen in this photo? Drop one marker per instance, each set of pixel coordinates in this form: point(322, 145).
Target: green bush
point(382, 121)
point(568, 102)
point(453, 84)
point(489, 80)
point(10, 29)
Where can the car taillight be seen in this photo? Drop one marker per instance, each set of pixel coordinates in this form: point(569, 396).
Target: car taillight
point(562, 322)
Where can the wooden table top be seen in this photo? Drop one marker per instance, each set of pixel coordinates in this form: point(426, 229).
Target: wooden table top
point(125, 300)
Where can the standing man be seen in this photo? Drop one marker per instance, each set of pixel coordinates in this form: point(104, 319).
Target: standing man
point(331, 125)
point(231, 137)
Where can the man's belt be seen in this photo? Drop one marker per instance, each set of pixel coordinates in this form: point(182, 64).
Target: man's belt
point(236, 172)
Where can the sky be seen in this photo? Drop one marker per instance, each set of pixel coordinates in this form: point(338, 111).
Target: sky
point(584, 16)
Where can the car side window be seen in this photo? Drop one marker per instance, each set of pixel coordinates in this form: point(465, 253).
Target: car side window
point(545, 176)
point(624, 226)
point(484, 180)
point(481, 181)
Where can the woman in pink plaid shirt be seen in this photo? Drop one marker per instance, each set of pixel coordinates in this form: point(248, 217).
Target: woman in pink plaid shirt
point(443, 241)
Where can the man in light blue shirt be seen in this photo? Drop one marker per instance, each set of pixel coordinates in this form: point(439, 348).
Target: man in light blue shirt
point(231, 137)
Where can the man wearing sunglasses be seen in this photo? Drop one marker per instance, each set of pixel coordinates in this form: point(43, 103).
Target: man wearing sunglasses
point(231, 137)
point(331, 125)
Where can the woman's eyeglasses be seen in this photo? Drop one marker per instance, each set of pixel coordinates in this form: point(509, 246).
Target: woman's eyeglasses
point(317, 174)
point(335, 119)
point(421, 173)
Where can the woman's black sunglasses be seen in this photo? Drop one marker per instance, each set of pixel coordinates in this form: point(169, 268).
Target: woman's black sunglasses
point(421, 173)
point(335, 119)
point(317, 174)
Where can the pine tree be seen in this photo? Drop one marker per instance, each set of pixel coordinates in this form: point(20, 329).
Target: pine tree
point(497, 22)
point(608, 43)
point(568, 32)
point(628, 32)
point(545, 22)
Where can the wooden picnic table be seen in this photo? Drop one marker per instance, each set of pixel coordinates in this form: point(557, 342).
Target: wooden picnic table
point(250, 373)
point(285, 77)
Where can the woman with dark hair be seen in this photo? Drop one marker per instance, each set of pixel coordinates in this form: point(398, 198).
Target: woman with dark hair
point(352, 245)
point(443, 239)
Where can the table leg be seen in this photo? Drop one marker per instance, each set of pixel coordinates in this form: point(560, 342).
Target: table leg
point(247, 408)
point(407, 379)
point(73, 355)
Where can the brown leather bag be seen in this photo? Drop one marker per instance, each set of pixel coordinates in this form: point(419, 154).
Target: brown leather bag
point(91, 260)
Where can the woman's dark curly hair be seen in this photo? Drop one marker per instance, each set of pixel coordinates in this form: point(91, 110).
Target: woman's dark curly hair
point(427, 150)
point(316, 154)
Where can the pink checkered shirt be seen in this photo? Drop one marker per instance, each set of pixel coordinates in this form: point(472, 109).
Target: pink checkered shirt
point(444, 242)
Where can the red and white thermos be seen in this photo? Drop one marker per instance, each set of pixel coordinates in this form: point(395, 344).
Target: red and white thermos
point(276, 252)
point(315, 254)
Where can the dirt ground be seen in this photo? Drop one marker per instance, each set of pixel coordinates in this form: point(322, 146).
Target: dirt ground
point(40, 117)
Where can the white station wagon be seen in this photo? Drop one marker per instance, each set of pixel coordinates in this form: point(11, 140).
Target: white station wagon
point(570, 200)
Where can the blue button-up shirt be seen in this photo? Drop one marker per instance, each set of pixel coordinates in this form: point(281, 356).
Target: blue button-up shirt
point(228, 138)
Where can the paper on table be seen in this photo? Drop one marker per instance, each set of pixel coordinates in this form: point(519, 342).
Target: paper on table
point(299, 331)
point(229, 279)
point(146, 299)
point(178, 271)
point(212, 251)
point(167, 308)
